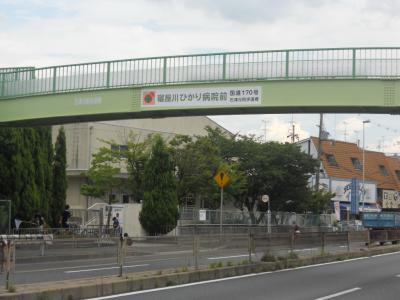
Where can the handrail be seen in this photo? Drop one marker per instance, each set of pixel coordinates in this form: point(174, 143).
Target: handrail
point(293, 64)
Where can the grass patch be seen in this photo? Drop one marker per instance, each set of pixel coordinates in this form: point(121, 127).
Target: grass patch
point(11, 288)
point(292, 255)
point(268, 257)
point(229, 264)
point(243, 262)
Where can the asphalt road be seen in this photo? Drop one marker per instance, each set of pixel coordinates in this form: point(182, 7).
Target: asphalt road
point(372, 278)
point(172, 257)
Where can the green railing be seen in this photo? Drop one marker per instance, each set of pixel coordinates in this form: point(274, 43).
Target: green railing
point(299, 64)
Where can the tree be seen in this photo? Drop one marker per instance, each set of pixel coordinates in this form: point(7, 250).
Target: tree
point(43, 159)
point(136, 155)
point(60, 178)
point(278, 170)
point(318, 202)
point(196, 163)
point(159, 213)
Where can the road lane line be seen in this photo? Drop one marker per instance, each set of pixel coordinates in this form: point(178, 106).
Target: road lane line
point(385, 254)
point(232, 256)
point(100, 269)
point(305, 249)
point(224, 279)
point(339, 294)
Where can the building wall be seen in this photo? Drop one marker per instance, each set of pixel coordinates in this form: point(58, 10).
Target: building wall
point(84, 139)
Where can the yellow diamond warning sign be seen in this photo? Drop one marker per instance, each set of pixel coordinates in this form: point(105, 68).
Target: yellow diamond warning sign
point(221, 178)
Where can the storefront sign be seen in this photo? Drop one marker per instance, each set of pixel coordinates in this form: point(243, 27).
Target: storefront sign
point(390, 199)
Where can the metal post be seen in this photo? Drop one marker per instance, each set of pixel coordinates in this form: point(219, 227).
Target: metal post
point(196, 250)
point(322, 242)
point(363, 167)
point(121, 250)
point(291, 241)
point(348, 241)
point(42, 246)
point(54, 79)
point(9, 216)
point(269, 218)
point(319, 150)
point(165, 70)
point(250, 242)
point(220, 213)
point(108, 74)
point(287, 65)
point(224, 66)
point(353, 71)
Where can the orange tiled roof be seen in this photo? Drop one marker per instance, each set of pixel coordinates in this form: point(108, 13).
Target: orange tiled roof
point(344, 151)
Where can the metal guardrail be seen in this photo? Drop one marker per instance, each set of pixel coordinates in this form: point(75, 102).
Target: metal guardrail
point(297, 64)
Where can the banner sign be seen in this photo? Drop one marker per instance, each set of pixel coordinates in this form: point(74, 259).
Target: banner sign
point(336, 205)
point(390, 199)
point(354, 196)
point(227, 96)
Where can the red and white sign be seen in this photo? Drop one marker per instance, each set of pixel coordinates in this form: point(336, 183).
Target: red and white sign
point(228, 96)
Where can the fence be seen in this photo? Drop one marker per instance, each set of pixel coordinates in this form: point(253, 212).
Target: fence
point(236, 217)
point(308, 64)
point(196, 250)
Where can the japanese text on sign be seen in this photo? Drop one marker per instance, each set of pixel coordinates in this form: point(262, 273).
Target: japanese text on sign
point(202, 96)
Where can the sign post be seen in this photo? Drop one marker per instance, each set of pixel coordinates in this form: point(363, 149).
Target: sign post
point(221, 178)
point(265, 199)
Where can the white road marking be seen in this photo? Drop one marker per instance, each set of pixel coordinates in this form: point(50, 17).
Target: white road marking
point(305, 249)
point(385, 254)
point(232, 256)
point(100, 269)
point(339, 294)
point(223, 279)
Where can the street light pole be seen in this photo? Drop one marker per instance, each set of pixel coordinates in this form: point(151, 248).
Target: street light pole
point(363, 166)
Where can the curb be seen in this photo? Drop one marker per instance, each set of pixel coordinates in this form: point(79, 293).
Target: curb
point(104, 286)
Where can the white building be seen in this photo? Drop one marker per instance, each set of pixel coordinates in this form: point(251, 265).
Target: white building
point(84, 139)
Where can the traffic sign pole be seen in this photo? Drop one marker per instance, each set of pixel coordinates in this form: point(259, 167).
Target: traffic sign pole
point(220, 212)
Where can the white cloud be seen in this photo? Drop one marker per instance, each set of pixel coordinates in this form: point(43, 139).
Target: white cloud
point(47, 32)
point(351, 128)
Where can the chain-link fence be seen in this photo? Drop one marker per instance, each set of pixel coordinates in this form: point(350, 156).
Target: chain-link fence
point(237, 217)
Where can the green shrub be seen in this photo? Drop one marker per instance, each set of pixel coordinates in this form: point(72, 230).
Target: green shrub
point(268, 257)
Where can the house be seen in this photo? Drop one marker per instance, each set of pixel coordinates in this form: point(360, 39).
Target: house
point(342, 161)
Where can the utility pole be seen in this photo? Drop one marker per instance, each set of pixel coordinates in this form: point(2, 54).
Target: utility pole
point(319, 150)
point(292, 134)
point(265, 129)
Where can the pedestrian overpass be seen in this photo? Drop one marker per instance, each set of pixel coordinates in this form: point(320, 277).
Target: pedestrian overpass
point(335, 80)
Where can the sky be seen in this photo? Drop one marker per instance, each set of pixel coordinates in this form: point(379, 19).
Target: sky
point(47, 32)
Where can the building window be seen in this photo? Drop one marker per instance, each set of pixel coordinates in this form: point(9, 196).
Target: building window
point(331, 160)
point(383, 170)
point(398, 174)
point(125, 198)
point(356, 163)
point(120, 148)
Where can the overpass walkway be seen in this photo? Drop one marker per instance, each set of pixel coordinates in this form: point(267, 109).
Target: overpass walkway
point(299, 80)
